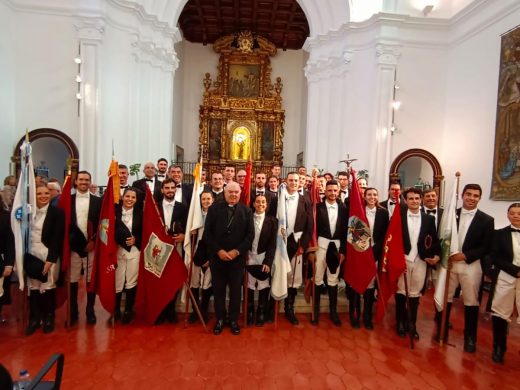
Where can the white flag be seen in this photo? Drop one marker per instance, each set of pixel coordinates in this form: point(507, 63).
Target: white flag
point(24, 206)
point(449, 244)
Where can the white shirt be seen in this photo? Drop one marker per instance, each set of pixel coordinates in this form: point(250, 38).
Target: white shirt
point(435, 215)
point(82, 205)
point(150, 183)
point(168, 212)
point(127, 217)
point(38, 249)
point(332, 212)
point(344, 194)
point(391, 207)
point(291, 208)
point(516, 247)
point(371, 217)
point(466, 217)
point(161, 177)
point(178, 193)
point(414, 227)
point(258, 221)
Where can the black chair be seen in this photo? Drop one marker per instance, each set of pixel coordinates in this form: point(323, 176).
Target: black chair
point(57, 359)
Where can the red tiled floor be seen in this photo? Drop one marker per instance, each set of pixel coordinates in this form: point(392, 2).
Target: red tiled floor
point(301, 357)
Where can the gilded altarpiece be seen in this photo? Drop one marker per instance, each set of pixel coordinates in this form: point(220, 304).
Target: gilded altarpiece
point(241, 116)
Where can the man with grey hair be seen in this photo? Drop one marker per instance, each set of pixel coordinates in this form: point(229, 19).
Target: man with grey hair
point(228, 235)
point(55, 189)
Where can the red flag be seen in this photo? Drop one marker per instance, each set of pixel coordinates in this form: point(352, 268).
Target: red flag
point(315, 199)
point(245, 196)
point(161, 269)
point(393, 263)
point(64, 203)
point(360, 266)
point(103, 281)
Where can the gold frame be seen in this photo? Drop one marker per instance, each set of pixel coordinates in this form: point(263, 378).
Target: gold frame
point(245, 50)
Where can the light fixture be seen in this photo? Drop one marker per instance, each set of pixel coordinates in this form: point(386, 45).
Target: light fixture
point(77, 60)
point(393, 128)
point(78, 78)
point(396, 104)
point(427, 9)
point(397, 85)
point(78, 96)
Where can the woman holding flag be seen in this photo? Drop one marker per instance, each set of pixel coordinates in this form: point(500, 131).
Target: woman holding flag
point(129, 221)
point(47, 230)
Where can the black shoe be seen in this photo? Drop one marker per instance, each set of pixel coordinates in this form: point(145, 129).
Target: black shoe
point(291, 317)
point(260, 319)
point(127, 317)
point(498, 354)
point(368, 323)
point(469, 345)
point(235, 329)
point(218, 327)
point(32, 327)
point(73, 320)
point(48, 325)
point(91, 318)
point(401, 330)
point(354, 322)
point(415, 334)
point(335, 318)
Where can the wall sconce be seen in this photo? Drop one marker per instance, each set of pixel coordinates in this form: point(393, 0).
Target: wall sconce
point(396, 104)
point(78, 96)
point(78, 79)
point(77, 59)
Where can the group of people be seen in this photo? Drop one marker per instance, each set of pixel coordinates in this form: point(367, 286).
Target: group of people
point(242, 235)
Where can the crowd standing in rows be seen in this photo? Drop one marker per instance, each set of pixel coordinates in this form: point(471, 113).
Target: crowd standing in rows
point(235, 236)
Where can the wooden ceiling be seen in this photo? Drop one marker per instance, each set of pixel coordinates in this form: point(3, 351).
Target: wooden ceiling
point(281, 21)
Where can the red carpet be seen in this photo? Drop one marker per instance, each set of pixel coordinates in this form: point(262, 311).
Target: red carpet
point(304, 357)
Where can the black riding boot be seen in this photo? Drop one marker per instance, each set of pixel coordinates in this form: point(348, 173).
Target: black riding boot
point(73, 302)
point(35, 308)
point(400, 314)
point(289, 306)
point(128, 314)
point(48, 300)
point(204, 304)
point(316, 308)
point(91, 315)
point(263, 295)
point(368, 302)
point(117, 307)
point(470, 328)
point(414, 307)
point(250, 306)
point(499, 339)
point(438, 321)
point(333, 305)
point(193, 317)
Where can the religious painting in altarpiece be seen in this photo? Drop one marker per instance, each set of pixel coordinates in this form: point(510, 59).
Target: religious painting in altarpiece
point(506, 163)
point(241, 115)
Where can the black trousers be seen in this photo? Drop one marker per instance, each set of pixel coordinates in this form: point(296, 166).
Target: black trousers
point(226, 274)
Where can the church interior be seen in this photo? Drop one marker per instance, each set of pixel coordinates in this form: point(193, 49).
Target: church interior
point(413, 89)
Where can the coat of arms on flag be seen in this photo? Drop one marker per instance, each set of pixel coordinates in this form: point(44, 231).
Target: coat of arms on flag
point(156, 255)
point(358, 234)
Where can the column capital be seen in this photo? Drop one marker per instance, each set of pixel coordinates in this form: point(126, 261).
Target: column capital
point(91, 29)
point(155, 53)
point(326, 68)
point(388, 53)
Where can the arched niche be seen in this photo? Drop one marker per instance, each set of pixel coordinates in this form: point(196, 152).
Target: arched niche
point(46, 137)
point(421, 157)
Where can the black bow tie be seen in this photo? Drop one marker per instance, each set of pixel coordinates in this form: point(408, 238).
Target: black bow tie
point(161, 175)
point(259, 193)
point(392, 203)
point(514, 230)
point(123, 187)
point(178, 186)
point(434, 211)
point(149, 179)
point(343, 191)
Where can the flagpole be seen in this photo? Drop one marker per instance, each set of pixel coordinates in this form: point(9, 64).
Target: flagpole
point(245, 295)
point(407, 300)
point(447, 283)
point(67, 275)
point(190, 274)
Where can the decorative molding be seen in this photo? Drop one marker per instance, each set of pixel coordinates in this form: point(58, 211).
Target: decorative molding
point(91, 29)
point(155, 54)
point(323, 69)
point(388, 54)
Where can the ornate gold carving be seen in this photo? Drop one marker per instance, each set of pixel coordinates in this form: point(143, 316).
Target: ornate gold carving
point(241, 101)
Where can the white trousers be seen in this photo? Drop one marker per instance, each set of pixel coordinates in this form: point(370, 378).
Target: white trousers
point(200, 279)
point(127, 269)
point(77, 263)
point(294, 278)
point(321, 268)
point(469, 276)
point(415, 276)
point(507, 292)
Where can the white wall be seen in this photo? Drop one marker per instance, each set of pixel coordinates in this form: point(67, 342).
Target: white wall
point(198, 60)
point(7, 83)
point(471, 98)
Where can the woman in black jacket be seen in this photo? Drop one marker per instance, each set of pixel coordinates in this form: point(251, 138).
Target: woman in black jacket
point(47, 230)
point(129, 222)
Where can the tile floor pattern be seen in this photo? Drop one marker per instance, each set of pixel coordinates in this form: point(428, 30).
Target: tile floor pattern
point(301, 357)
